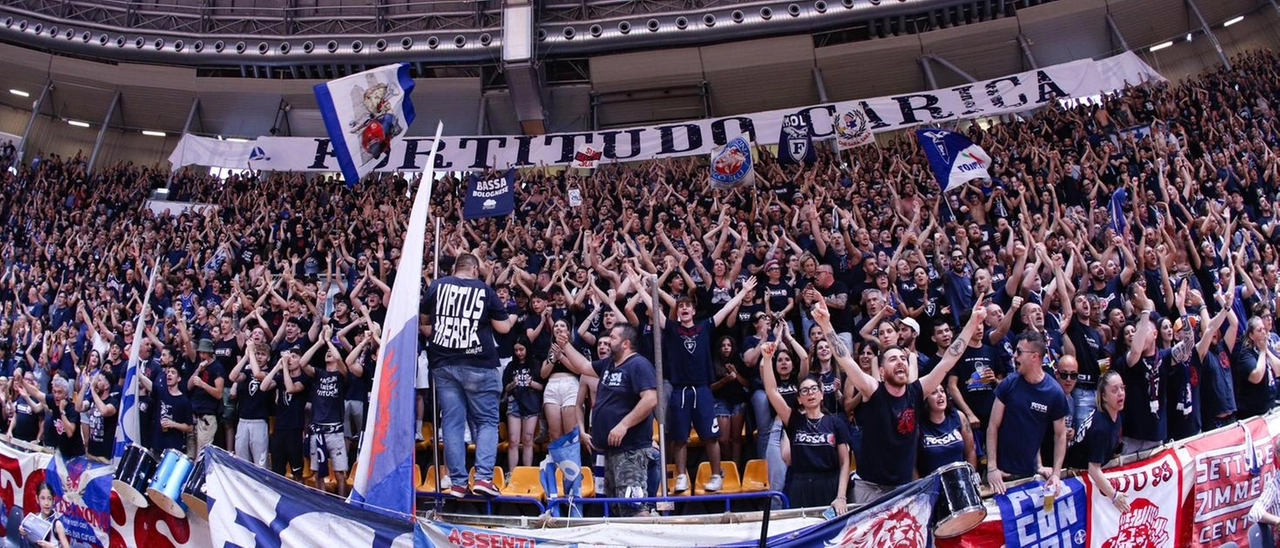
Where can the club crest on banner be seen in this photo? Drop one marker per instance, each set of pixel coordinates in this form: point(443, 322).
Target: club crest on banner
point(795, 141)
point(258, 155)
point(732, 164)
point(852, 129)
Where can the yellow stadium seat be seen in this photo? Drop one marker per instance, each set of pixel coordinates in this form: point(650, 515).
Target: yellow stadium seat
point(525, 482)
point(732, 483)
point(756, 477)
point(351, 475)
point(429, 480)
point(587, 481)
point(428, 436)
point(417, 476)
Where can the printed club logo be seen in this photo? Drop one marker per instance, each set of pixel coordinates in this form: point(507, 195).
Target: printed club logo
point(1141, 527)
point(852, 125)
point(898, 528)
point(258, 155)
point(731, 165)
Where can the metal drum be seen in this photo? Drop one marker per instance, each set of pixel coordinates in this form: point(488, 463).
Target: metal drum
point(166, 487)
point(133, 474)
point(193, 493)
point(959, 508)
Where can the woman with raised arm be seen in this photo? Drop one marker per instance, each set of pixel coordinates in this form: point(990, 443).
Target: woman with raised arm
point(819, 442)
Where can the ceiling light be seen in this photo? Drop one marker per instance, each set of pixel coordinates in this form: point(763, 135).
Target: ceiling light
point(236, 140)
point(150, 133)
point(19, 93)
point(1233, 21)
point(1159, 47)
point(78, 123)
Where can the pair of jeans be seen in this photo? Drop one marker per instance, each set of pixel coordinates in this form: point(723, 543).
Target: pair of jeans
point(773, 458)
point(762, 412)
point(469, 395)
point(1086, 400)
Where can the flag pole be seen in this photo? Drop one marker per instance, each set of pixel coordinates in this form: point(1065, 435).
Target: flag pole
point(662, 391)
point(435, 403)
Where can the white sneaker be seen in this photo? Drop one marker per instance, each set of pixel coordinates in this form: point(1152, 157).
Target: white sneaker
point(715, 484)
point(682, 483)
point(446, 483)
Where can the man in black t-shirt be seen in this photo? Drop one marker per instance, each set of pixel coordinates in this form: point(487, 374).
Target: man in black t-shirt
point(253, 404)
point(464, 312)
point(61, 420)
point(100, 412)
point(205, 388)
point(327, 445)
point(889, 416)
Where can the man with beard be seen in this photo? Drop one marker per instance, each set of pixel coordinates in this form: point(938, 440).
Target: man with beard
point(1109, 289)
point(621, 419)
point(888, 416)
point(100, 419)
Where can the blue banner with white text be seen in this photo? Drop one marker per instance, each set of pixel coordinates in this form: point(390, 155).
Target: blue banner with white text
point(1027, 523)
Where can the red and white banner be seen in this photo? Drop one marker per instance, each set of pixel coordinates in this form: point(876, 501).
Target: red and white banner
point(1154, 489)
point(22, 471)
point(1231, 468)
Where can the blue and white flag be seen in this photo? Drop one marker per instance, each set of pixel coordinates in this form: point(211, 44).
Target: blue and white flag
point(129, 431)
point(490, 197)
point(954, 158)
point(852, 129)
point(1027, 523)
point(384, 479)
point(795, 141)
point(363, 113)
point(733, 164)
point(82, 496)
point(250, 506)
point(440, 534)
point(1116, 210)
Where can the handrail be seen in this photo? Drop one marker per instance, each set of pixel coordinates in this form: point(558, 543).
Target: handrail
point(487, 501)
point(567, 502)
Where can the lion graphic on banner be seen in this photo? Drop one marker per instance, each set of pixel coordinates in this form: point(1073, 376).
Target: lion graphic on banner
point(1141, 527)
point(898, 528)
point(376, 120)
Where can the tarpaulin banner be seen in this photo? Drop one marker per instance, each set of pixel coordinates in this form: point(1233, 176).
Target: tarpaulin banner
point(250, 506)
point(1230, 468)
point(1154, 490)
point(1014, 93)
point(1028, 523)
point(438, 534)
point(493, 196)
point(899, 519)
point(126, 526)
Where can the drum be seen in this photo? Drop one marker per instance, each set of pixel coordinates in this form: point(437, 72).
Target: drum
point(959, 507)
point(166, 486)
point(193, 490)
point(133, 474)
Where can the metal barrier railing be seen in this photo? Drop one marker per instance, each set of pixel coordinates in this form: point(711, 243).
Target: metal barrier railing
point(487, 501)
point(566, 502)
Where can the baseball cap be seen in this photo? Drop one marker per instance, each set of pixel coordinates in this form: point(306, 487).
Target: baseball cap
point(912, 323)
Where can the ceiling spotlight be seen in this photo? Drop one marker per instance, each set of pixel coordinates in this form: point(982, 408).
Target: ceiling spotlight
point(19, 93)
point(78, 123)
point(150, 133)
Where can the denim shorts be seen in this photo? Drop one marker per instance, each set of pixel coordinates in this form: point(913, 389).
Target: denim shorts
point(726, 409)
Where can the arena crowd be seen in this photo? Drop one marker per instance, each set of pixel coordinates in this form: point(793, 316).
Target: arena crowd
point(834, 318)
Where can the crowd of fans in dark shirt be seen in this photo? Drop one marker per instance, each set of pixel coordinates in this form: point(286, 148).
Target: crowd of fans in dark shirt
point(1051, 318)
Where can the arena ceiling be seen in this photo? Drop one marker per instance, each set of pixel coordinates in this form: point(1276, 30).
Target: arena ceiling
point(649, 85)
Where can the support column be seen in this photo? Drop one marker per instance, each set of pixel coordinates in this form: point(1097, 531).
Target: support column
point(31, 122)
point(1276, 6)
point(483, 115)
point(820, 84)
point(186, 128)
point(1204, 25)
point(1026, 52)
point(928, 72)
point(102, 132)
point(1115, 31)
point(952, 67)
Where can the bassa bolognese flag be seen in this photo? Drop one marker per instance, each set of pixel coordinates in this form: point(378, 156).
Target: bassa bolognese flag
point(492, 196)
point(384, 478)
point(363, 113)
point(954, 159)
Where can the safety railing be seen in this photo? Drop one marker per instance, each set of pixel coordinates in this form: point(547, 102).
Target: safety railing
point(488, 502)
point(565, 503)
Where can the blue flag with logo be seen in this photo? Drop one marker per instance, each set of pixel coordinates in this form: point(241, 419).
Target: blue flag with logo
point(82, 495)
point(795, 141)
point(954, 159)
point(1116, 209)
point(363, 113)
point(1027, 523)
point(491, 196)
